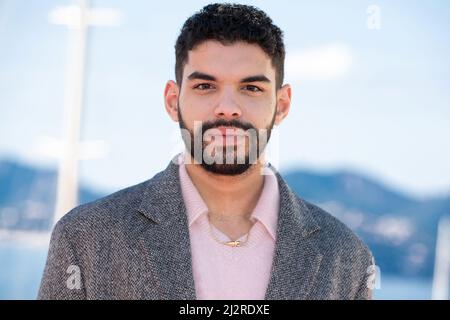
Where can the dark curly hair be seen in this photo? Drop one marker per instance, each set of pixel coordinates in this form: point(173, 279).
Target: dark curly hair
point(229, 23)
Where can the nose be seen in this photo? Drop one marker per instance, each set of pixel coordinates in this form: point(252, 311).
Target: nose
point(227, 108)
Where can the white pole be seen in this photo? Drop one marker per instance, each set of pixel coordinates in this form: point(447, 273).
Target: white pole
point(441, 276)
point(77, 18)
point(67, 187)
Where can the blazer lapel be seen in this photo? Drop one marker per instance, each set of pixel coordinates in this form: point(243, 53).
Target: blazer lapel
point(166, 243)
point(296, 260)
point(166, 240)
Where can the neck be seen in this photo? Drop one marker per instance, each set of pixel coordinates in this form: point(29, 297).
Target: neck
point(228, 198)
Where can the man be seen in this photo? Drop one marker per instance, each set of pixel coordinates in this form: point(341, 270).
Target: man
point(217, 223)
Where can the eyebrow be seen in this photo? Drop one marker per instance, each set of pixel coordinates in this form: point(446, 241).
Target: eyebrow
point(258, 78)
point(203, 76)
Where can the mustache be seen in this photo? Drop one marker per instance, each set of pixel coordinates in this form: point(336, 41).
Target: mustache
point(226, 123)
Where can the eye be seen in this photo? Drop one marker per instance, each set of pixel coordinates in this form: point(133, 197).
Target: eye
point(203, 86)
point(252, 88)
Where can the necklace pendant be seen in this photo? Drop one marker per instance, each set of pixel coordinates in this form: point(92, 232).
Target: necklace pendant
point(233, 243)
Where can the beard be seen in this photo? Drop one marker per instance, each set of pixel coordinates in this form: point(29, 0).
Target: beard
point(222, 153)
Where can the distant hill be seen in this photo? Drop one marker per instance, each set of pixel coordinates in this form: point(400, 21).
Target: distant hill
point(399, 229)
point(27, 196)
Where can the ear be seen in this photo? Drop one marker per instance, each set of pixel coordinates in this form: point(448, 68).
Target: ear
point(283, 103)
point(171, 94)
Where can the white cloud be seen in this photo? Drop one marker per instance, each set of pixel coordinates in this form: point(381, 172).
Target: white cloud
point(395, 229)
point(56, 148)
point(319, 63)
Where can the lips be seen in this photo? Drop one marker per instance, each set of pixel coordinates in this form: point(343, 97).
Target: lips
point(229, 135)
point(230, 131)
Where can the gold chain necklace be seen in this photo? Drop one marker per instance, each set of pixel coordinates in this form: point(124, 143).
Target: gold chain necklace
point(234, 244)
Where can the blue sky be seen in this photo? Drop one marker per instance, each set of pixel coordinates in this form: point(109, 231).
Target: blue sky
point(372, 101)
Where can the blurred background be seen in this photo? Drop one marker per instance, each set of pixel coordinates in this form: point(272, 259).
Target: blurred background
point(367, 138)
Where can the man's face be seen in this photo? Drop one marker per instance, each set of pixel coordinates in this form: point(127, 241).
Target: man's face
point(230, 91)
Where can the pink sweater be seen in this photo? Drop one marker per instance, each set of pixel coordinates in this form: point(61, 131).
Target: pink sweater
point(223, 272)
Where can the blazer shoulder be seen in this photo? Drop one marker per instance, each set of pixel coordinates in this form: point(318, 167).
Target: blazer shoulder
point(106, 211)
point(336, 236)
point(347, 257)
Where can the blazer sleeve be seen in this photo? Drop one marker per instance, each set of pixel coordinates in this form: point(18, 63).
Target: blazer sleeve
point(365, 290)
point(62, 278)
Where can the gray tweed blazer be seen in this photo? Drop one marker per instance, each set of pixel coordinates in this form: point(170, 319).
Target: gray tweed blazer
point(134, 244)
